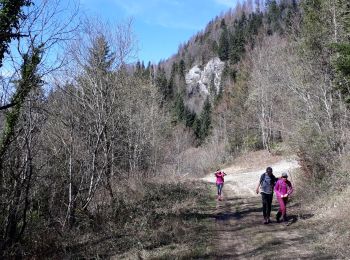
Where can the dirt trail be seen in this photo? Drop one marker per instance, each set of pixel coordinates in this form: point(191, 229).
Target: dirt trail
point(239, 232)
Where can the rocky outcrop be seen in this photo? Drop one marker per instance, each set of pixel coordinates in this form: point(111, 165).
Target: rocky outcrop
point(203, 82)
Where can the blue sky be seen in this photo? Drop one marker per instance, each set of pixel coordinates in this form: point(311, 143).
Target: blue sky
point(160, 25)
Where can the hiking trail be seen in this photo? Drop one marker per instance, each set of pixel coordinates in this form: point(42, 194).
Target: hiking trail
point(239, 229)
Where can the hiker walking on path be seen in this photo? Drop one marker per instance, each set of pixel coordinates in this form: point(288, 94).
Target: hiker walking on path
point(266, 184)
point(283, 189)
point(219, 182)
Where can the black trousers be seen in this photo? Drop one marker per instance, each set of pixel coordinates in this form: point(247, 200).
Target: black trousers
point(266, 202)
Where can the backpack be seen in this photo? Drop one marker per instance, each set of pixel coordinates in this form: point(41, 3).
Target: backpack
point(273, 180)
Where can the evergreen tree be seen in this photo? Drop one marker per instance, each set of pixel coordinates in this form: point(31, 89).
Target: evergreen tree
point(100, 66)
point(224, 44)
point(172, 83)
point(196, 126)
point(223, 24)
point(182, 68)
point(205, 119)
point(138, 69)
point(212, 87)
point(273, 16)
point(182, 78)
point(254, 24)
point(238, 39)
point(215, 47)
point(10, 16)
point(179, 108)
point(190, 117)
point(314, 30)
point(202, 125)
point(237, 45)
point(220, 93)
point(343, 61)
point(147, 72)
point(151, 70)
point(162, 83)
point(100, 58)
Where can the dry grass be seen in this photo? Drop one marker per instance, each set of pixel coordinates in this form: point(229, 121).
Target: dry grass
point(254, 160)
point(196, 161)
point(328, 204)
point(150, 217)
point(332, 221)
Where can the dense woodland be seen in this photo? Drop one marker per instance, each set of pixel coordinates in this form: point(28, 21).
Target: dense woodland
point(90, 141)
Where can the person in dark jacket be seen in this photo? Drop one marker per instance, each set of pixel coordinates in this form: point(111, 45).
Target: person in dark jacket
point(266, 184)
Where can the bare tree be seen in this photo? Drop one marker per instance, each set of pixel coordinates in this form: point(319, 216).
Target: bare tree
point(109, 120)
point(43, 30)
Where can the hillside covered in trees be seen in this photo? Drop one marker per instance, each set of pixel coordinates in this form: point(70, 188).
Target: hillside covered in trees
point(94, 146)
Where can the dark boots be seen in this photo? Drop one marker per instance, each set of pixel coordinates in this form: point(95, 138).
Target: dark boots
point(278, 216)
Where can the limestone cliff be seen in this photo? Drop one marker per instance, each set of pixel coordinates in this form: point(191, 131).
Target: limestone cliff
point(203, 82)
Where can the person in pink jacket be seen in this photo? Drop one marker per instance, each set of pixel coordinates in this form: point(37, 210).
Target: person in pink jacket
point(219, 182)
point(283, 189)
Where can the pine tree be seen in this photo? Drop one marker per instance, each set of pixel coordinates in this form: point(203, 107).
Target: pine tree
point(179, 108)
point(224, 44)
point(190, 117)
point(273, 16)
point(147, 72)
point(162, 83)
point(315, 29)
point(215, 47)
point(138, 69)
point(254, 24)
point(172, 83)
point(182, 78)
point(100, 58)
point(196, 126)
point(212, 87)
point(220, 94)
point(182, 68)
point(99, 67)
point(238, 41)
point(202, 125)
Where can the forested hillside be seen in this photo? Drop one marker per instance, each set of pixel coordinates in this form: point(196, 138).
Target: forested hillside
point(96, 150)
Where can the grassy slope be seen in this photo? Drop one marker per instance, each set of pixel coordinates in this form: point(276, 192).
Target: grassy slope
point(182, 228)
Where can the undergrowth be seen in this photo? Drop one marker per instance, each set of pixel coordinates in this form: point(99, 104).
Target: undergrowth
point(325, 202)
point(153, 216)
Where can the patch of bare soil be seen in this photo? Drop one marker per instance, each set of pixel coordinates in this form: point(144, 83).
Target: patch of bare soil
point(239, 229)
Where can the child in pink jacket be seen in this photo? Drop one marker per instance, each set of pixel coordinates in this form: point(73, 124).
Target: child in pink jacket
point(219, 182)
point(283, 189)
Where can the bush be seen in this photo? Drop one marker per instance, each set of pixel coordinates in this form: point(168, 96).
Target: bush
point(146, 215)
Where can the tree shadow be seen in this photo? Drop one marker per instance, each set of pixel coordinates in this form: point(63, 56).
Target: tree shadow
point(240, 216)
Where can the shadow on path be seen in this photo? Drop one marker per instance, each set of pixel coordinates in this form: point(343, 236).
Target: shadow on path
point(241, 234)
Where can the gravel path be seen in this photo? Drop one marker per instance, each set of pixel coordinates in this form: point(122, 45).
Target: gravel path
point(239, 232)
point(244, 183)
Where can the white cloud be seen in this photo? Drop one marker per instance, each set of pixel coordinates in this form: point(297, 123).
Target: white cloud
point(229, 3)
